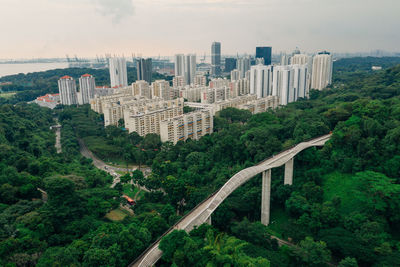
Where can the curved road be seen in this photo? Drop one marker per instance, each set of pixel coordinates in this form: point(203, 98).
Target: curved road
point(103, 166)
point(203, 211)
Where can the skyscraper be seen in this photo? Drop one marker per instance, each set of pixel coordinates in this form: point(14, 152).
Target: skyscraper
point(118, 72)
point(216, 59)
point(321, 71)
point(261, 80)
point(144, 69)
point(86, 88)
point(67, 89)
point(190, 68)
point(264, 52)
point(185, 66)
point(179, 65)
point(230, 64)
point(243, 65)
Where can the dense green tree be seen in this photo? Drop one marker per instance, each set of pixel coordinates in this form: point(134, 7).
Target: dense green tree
point(311, 253)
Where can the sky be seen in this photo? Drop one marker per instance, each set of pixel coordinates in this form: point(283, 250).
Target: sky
point(54, 28)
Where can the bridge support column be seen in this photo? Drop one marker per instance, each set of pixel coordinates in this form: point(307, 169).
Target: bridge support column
point(265, 196)
point(209, 220)
point(289, 172)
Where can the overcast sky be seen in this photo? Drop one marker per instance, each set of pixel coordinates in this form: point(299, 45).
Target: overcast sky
point(53, 28)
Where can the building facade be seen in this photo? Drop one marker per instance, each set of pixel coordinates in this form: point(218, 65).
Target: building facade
point(230, 64)
point(191, 125)
point(118, 72)
point(146, 118)
point(261, 80)
point(87, 87)
point(200, 80)
point(264, 52)
point(179, 62)
point(191, 94)
point(289, 83)
point(243, 65)
point(190, 68)
point(144, 69)
point(67, 90)
point(141, 88)
point(322, 67)
point(216, 59)
point(235, 75)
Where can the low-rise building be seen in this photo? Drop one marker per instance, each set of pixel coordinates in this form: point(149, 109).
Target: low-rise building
point(48, 100)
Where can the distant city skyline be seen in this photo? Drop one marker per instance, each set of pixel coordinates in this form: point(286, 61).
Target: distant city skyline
point(166, 27)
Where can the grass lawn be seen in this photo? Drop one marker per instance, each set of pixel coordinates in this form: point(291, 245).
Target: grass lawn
point(7, 95)
point(116, 215)
point(277, 220)
point(343, 186)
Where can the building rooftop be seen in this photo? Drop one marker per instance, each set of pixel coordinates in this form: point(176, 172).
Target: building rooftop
point(66, 77)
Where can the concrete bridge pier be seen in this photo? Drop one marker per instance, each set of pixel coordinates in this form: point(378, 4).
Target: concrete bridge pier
point(289, 172)
point(208, 220)
point(265, 197)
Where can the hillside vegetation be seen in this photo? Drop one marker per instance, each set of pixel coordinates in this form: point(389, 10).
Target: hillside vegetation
point(343, 207)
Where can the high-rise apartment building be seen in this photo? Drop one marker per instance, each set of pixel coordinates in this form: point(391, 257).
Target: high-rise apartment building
point(217, 83)
point(321, 71)
point(261, 80)
point(235, 75)
point(87, 86)
point(300, 81)
point(192, 125)
point(141, 88)
point(145, 119)
point(300, 59)
point(216, 59)
point(185, 66)
point(264, 52)
point(179, 62)
point(285, 59)
point(191, 94)
point(190, 68)
point(178, 81)
point(282, 83)
point(67, 89)
point(200, 80)
point(243, 65)
point(144, 69)
point(118, 72)
point(240, 86)
point(161, 88)
point(289, 83)
point(230, 64)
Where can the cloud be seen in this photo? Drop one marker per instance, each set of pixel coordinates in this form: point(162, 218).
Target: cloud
point(116, 9)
